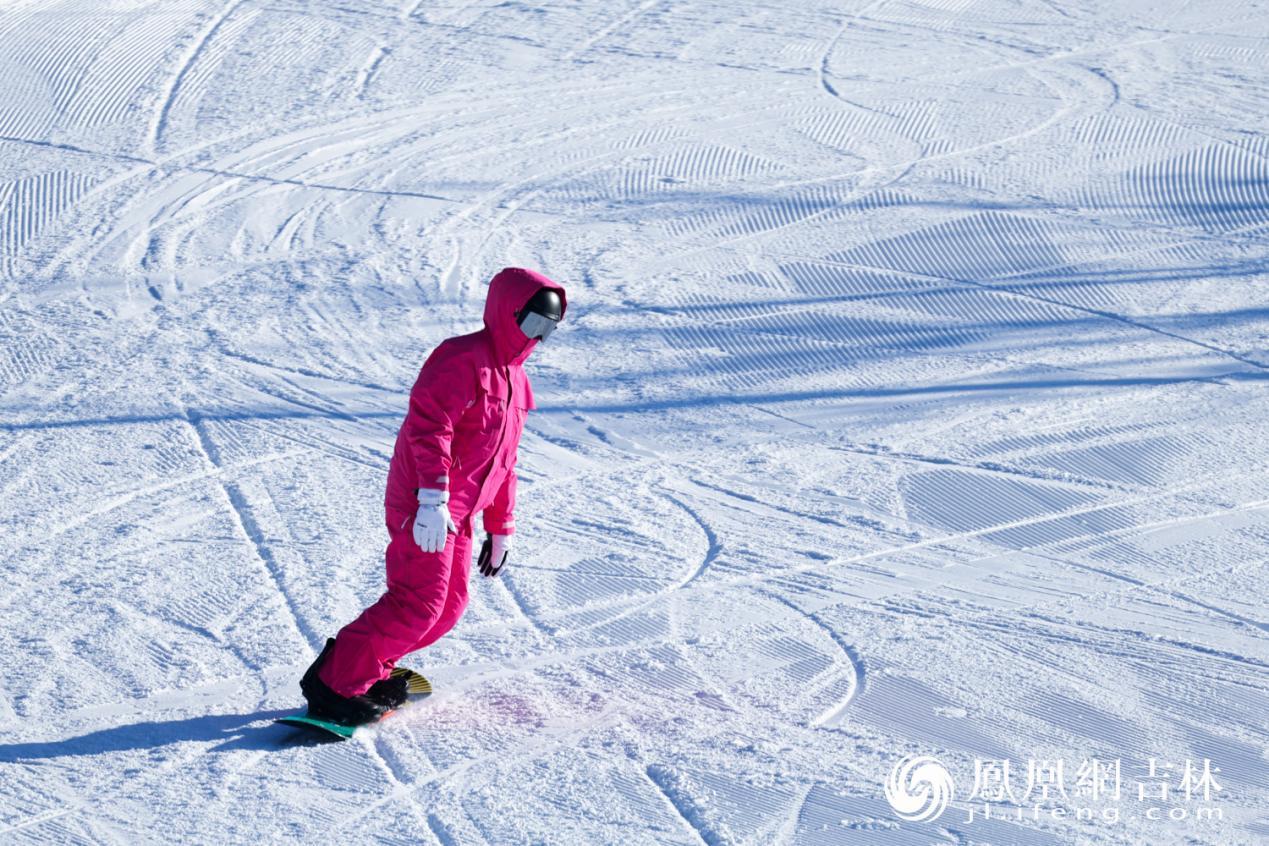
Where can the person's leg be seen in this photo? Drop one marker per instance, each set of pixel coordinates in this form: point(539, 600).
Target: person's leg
point(456, 600)
point(368, 648)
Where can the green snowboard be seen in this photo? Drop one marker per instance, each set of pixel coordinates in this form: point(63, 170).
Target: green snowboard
point(417, 686)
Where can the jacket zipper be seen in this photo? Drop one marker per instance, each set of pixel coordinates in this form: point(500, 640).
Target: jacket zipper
point(502, 430)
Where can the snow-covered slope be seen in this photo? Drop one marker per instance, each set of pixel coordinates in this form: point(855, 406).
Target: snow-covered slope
point(911, 402)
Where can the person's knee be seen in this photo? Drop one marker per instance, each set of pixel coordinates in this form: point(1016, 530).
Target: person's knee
point(419, 604)
point(455, 605)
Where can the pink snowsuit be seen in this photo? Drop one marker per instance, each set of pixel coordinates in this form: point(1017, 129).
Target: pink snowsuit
point(461, 431)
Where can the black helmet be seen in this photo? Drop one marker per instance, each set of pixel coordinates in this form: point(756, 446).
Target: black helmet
point(540, 314)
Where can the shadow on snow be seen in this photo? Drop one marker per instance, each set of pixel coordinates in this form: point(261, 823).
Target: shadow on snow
point(227, 731)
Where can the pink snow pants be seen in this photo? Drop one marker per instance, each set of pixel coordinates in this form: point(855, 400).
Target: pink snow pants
point(427, 593)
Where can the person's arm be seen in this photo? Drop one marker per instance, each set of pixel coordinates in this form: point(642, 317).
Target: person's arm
point(500, 525)
point(499, 518)
point(446, 385)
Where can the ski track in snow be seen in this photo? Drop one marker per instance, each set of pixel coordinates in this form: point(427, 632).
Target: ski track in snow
point(911, 402)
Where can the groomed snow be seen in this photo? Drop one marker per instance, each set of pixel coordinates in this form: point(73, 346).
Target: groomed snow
point(911, 402)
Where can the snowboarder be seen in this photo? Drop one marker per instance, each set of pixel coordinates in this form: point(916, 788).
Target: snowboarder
point(455, 456)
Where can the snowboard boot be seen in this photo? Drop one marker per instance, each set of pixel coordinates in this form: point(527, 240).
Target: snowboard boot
point(326, 704)
point(391, 692)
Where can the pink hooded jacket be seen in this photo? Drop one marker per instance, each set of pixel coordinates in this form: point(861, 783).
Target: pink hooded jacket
point(467, 411)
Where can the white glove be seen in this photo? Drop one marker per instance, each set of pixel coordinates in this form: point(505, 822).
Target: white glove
point(432, 520)
point(493, 554)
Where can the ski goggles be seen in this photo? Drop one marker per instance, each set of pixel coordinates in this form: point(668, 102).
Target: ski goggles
point(535, 325)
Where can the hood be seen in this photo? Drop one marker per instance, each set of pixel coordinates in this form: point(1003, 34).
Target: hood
point(509, 290)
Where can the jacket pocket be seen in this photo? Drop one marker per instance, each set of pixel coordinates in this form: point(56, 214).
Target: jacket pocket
point(493, 410)
point(488, 408)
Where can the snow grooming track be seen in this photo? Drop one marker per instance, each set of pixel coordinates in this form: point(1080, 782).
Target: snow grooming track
point(911, 402)
point(30, 205)
point(168, 100)
point(119, 73)
point(250, 528)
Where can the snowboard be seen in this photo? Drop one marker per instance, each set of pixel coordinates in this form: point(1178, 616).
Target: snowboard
point(416, 686)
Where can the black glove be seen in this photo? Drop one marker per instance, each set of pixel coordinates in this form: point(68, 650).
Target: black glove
point(494, 546)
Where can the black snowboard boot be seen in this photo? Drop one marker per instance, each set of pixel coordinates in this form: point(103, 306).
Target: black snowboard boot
point(390, 692)
point(326, 704)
